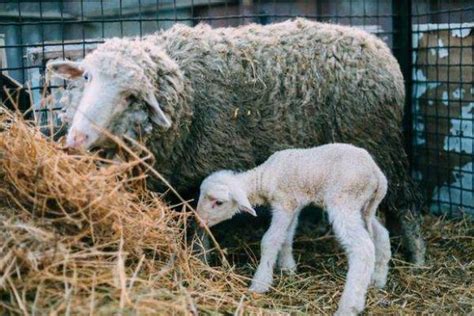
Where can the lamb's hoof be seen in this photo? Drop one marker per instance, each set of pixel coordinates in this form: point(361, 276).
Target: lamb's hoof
point(379, 280)
point(346, 312)
point(287, 266)
point(379, 284)
point(288, 272)
point(259, 287)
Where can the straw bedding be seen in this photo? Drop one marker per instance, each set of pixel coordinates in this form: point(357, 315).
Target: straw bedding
point(80, 234)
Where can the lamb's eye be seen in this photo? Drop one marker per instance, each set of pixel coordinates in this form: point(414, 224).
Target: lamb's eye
point(129, 98)
point(87, 76)
point(219, 203)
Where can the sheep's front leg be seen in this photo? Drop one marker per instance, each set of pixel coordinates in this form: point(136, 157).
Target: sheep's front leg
point(271, 244)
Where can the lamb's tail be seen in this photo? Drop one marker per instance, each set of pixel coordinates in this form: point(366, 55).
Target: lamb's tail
point(376, 199)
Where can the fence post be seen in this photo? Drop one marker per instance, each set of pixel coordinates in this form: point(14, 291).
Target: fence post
point(402, 42)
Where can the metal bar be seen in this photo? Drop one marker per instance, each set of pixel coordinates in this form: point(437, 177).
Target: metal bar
point(437, 12)
point(52, 44)
point(402, 22)
point(102, 20)
point(140, 23)
point(83, 29)
point(20, 32)
point(145, 19)
point(121, 18)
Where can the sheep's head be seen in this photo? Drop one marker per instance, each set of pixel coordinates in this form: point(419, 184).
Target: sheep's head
point(115, 74)
point(221, 197)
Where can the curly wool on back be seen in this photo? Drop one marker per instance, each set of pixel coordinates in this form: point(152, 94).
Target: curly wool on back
point(236, 95)
point(258, 89)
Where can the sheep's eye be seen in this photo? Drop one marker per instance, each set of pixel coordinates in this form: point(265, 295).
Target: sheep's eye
point(219, 203)
point(87, 76)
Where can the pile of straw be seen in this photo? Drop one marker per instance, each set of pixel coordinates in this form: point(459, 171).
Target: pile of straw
point(80, 234)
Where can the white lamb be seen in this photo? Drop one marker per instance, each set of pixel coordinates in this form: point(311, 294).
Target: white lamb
point(342, 179)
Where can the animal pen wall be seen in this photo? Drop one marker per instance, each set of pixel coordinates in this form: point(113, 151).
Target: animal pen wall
point(432, 39)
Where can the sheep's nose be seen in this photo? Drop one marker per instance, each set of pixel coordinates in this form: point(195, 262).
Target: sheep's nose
point(76, 139)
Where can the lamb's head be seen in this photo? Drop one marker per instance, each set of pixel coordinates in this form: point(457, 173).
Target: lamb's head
point(115, 74)
point(222, 196)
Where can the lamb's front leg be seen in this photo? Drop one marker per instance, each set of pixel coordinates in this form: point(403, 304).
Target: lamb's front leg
point(271, 244)
point(286, 261)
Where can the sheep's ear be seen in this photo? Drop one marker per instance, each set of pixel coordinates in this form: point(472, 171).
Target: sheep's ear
point(65, 69)
point(243, 203)
point(157, 114)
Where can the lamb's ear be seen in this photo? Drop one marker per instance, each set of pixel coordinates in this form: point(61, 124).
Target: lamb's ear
point(65, 69)
point(157, 114)
point(243, 202)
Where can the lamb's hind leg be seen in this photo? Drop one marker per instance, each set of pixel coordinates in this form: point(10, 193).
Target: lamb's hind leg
point(382, 253)
point(350, 230)
point(380, 238)
point(286, 261)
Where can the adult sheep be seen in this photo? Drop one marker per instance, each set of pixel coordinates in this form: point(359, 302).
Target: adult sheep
point(230, 97)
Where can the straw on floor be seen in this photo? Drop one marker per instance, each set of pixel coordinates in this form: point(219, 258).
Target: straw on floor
point(81, 234)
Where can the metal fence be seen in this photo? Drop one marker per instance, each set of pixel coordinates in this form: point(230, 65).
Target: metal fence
point(431, 39)
point(442, 104)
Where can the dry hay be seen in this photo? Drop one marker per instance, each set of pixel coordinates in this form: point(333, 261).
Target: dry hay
point(80, 234)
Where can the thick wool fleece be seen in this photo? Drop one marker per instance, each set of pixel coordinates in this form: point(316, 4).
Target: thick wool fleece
point(236, 95)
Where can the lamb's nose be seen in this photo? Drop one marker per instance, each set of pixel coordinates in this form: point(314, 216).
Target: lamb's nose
point(76, 139)
point(202, 222)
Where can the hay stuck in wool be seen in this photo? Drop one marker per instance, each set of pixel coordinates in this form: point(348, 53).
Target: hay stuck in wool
point(79, 234)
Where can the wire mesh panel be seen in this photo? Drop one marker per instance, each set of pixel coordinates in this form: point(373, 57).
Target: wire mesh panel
point(439, 127)
point(443, 103)
point(37, 31)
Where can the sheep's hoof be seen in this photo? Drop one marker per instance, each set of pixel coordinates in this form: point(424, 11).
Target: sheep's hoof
point(259, 288)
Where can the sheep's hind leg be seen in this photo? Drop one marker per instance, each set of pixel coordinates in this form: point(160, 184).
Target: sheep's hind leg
point(354, 237)
point(406, 223)
point(286, 261)
point(271, 244)
point(403, 217)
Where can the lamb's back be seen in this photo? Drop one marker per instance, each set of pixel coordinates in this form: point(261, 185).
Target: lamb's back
point(316, 169)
